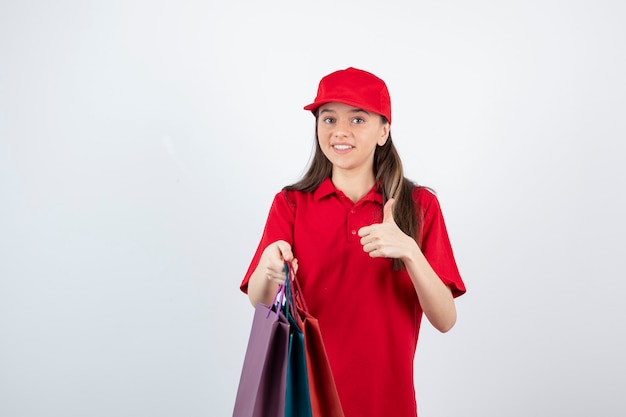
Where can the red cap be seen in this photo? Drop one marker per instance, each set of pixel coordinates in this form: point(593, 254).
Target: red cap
point(356, 88)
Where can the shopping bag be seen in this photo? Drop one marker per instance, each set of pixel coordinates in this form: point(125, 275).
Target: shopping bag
point(262, 385)
point(325, 400)
point(298, 400)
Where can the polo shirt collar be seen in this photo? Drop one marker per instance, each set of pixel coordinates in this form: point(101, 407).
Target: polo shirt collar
point(327, 188)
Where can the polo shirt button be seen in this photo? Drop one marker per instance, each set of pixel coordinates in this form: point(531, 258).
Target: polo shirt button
point(352, 211)
point(353, 232)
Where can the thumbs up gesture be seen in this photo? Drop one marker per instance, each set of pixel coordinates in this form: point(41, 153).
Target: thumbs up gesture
point(386, 240)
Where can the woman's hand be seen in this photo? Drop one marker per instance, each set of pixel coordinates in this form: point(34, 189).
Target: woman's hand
point(386, 239)
point(272, 262)
point(270, 272)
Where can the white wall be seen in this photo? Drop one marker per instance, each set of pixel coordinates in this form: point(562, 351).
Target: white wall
point(141, 143)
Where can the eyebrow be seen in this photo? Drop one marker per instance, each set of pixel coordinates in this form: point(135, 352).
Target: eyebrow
point(355, 110)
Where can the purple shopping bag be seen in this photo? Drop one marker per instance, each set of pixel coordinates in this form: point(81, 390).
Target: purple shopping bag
point(262, 385)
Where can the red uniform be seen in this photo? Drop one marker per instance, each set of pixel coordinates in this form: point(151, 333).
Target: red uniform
point(369, 314)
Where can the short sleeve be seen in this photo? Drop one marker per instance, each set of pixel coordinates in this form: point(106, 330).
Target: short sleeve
point(279, 226)
point(435, 243)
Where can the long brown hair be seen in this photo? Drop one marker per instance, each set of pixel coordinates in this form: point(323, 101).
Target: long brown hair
point(390, 180)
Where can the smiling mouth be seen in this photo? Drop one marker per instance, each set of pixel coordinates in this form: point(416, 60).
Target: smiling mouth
point(343, 147)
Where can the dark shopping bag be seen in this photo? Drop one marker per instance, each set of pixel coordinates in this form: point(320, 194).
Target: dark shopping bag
point(262, 385)
point(323, 392)
point(298, 400)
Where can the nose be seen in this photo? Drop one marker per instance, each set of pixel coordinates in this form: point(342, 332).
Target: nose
point(341, 128)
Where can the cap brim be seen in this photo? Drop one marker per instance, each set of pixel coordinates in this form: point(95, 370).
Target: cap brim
point(315, 105)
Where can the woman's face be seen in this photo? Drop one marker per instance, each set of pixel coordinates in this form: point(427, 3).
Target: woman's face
point(348, 136)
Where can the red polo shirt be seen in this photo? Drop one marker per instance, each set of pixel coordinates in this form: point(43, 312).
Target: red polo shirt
point(369, 314)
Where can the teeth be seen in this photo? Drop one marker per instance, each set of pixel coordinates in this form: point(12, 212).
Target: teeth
point(342, 147)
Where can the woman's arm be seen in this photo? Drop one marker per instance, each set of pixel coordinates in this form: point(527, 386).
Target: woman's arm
point(434, 296)
point(387, 240)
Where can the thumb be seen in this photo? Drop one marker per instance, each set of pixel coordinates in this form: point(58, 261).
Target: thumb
point(285, 250)
point(388, 211)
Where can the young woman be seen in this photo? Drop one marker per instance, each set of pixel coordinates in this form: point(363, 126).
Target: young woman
point(370, 248)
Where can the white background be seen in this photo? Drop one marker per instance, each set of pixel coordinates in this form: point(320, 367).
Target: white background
point(141, 143)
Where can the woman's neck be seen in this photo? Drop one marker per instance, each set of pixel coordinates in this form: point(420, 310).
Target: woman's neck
point(353, 185)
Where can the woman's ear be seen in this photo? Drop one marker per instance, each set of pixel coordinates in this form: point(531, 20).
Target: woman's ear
point(386, 127)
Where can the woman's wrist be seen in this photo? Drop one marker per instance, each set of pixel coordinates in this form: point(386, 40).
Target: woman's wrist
point(412, 252)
